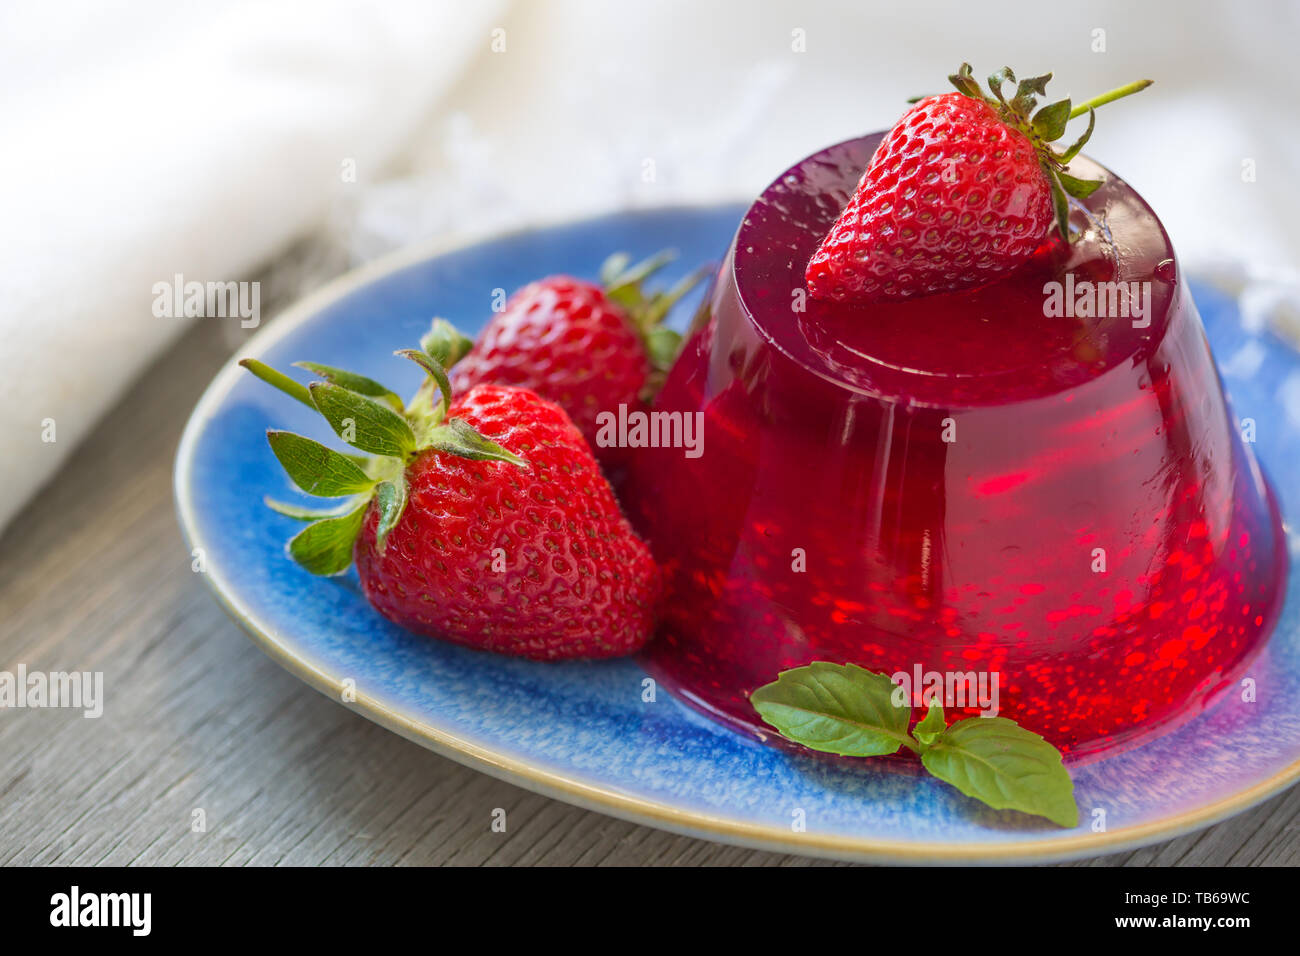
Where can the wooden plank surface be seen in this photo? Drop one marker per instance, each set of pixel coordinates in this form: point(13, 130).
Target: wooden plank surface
point(94, 576)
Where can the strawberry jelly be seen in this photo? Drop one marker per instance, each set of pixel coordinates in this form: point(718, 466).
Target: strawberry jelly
point(961, 482)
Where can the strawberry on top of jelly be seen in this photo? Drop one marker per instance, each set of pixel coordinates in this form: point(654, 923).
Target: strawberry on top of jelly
point(989, 344)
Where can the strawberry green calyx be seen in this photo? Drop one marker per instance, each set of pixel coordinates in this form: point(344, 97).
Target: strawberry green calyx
point(1044, 127)
point(372, 419)
point(623, 285)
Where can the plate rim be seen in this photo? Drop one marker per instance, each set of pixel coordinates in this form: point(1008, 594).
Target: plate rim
point(570, 788)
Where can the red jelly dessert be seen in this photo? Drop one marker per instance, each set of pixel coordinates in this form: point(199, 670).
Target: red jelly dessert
point(1036, 479)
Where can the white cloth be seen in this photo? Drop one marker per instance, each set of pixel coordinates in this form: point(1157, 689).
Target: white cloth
point(164, 138)
point(147, 140)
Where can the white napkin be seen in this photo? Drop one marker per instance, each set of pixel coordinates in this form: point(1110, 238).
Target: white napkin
point(152, 139)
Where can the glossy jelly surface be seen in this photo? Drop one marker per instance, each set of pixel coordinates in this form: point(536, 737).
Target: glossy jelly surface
point(968, 485)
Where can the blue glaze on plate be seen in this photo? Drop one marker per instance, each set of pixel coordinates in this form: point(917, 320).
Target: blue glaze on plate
point(581, 731)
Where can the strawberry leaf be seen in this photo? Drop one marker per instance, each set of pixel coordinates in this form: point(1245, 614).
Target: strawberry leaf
point(965, 82)
point(1060, 203)
point(835, 708)
point(1078, 188)
point(279, 380)
point(354, 383)
point(362, 422)
point(325, 547)
point(1027, 93)
point(457, 437)
point(649, 313)
point(299, 513)
point(316, 469)
point(1002, 76)
point(445, 344)
point(613, 267)
point(998, 762)
point(437, 375)
point(662, 345)
point(1079, 143)
point(624, 286)
point(390, 496)
point(1049, 122)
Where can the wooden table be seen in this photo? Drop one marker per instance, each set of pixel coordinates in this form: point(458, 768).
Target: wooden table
point(94, 576)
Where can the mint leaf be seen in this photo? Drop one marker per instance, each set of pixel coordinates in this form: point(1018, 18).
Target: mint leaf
point(835, 708)
point(316, 469)
point(390, 496)
point(325, 547)
point(931, 725)
point(355, 383)
point(458, 437)
point(997, 761)
point(362, 422)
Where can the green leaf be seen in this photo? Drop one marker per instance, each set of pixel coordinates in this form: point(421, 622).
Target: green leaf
point(1027, 93)
point(1004, 75)
point(363, 422)
point(1078, 188)
point(965, 82)
point(1073, 151)
point(662, 345)
point(316, 469)
point(629, 279)
point(997, 761)
point(1049, 122)
point(299, 513)
point(325, 547)
point(279, 380)
point(835, 708)
point(613, 267)
point(1060, 204)
point(390, 496)
point(437, 375)
point(445, 344)
point(931, 725)
point(653, 309)
point(457, 437)
point(355, 383)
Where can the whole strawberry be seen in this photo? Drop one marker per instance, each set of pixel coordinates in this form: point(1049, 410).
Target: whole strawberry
point(963, 189)
point(588, 347)
point(483, 520)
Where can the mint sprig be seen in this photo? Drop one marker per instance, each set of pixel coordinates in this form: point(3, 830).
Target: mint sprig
point(835, 708)
point(848, 710)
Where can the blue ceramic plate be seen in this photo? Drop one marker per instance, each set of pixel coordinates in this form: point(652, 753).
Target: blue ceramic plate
point(581, 731)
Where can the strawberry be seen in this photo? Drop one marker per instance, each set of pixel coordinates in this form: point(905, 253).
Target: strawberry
point(589, 347)
point(963, 189)
point(484, 520)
